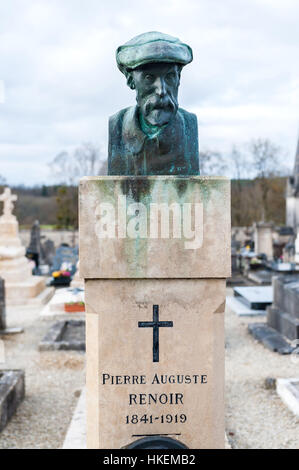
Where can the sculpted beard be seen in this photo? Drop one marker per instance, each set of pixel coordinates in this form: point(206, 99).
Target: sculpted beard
point(158, 111)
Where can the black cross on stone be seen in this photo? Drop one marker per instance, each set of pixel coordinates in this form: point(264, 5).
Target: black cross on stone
point(155, 324)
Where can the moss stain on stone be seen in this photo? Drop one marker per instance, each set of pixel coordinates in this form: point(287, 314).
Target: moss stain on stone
point(136, 188)
point(181, 186)
point(144, 190)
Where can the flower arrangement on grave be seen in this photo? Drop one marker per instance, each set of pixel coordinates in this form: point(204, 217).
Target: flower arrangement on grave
point(57, 274)
point(61, 277)
point(78, 306)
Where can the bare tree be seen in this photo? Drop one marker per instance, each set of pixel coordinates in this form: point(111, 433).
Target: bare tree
point(240, 166)
point(104, 168)
point(211, 163)
point(264, 156)
point(265, 161)
point(86, 160)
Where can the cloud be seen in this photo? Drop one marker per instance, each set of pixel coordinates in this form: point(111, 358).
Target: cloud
point(61, 81)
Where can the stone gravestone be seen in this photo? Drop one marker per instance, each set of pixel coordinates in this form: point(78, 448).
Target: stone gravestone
point(34, 250)
point(154, 312)
point(65, 258)
point(154, 255)
point(281, 332)
point(283, 315)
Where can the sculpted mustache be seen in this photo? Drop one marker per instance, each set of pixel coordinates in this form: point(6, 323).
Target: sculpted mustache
point(161, 104)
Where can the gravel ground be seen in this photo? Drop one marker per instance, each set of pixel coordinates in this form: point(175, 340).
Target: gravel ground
point(53, 383)
point(255, 416)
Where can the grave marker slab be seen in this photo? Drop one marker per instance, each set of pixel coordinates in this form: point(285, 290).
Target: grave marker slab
point(255, 297)
point(270, 338)
point(65, 335)
point(241, 309)
point(154, 313)
point(12, 392)
point(261, 276)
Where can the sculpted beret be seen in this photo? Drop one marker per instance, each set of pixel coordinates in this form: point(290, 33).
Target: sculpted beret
point(152, 47)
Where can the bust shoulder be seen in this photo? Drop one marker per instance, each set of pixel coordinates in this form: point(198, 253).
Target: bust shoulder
point(117, 118)
point(189, 117)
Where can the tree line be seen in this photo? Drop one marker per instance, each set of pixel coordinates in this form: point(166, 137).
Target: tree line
point(256, 169)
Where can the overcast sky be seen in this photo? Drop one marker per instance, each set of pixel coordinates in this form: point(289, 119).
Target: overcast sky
point(57, 62)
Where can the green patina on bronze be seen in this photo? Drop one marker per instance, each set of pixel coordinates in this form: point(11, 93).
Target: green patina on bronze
point(137, 190)
point(156, 137)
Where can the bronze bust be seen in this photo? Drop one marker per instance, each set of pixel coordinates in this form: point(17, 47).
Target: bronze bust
point(156, 137)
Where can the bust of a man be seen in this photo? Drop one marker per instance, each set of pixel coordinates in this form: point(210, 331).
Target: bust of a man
point(156, 137)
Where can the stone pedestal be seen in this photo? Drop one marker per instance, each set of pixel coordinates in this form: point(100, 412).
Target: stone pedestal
point(15, 269)
point(154, 254)
point(263, 241)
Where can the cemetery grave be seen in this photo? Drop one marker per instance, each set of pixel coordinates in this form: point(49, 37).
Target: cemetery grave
point(261, 277)
point(282, 327)
point(65, 335)
point(250, 300)
point(21, 286)
point(273, 269)
point(53, 379)
point(270, 338)
point(283, 315)
point(157, 336)
point(63, 296)
point(64, 265)
point(12, 392)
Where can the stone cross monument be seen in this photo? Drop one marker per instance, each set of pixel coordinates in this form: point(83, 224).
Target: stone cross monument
point(8, 199)
point(154, 255)
point(15, 269)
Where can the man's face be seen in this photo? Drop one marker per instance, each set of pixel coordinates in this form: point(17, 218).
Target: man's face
point(157, 91)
